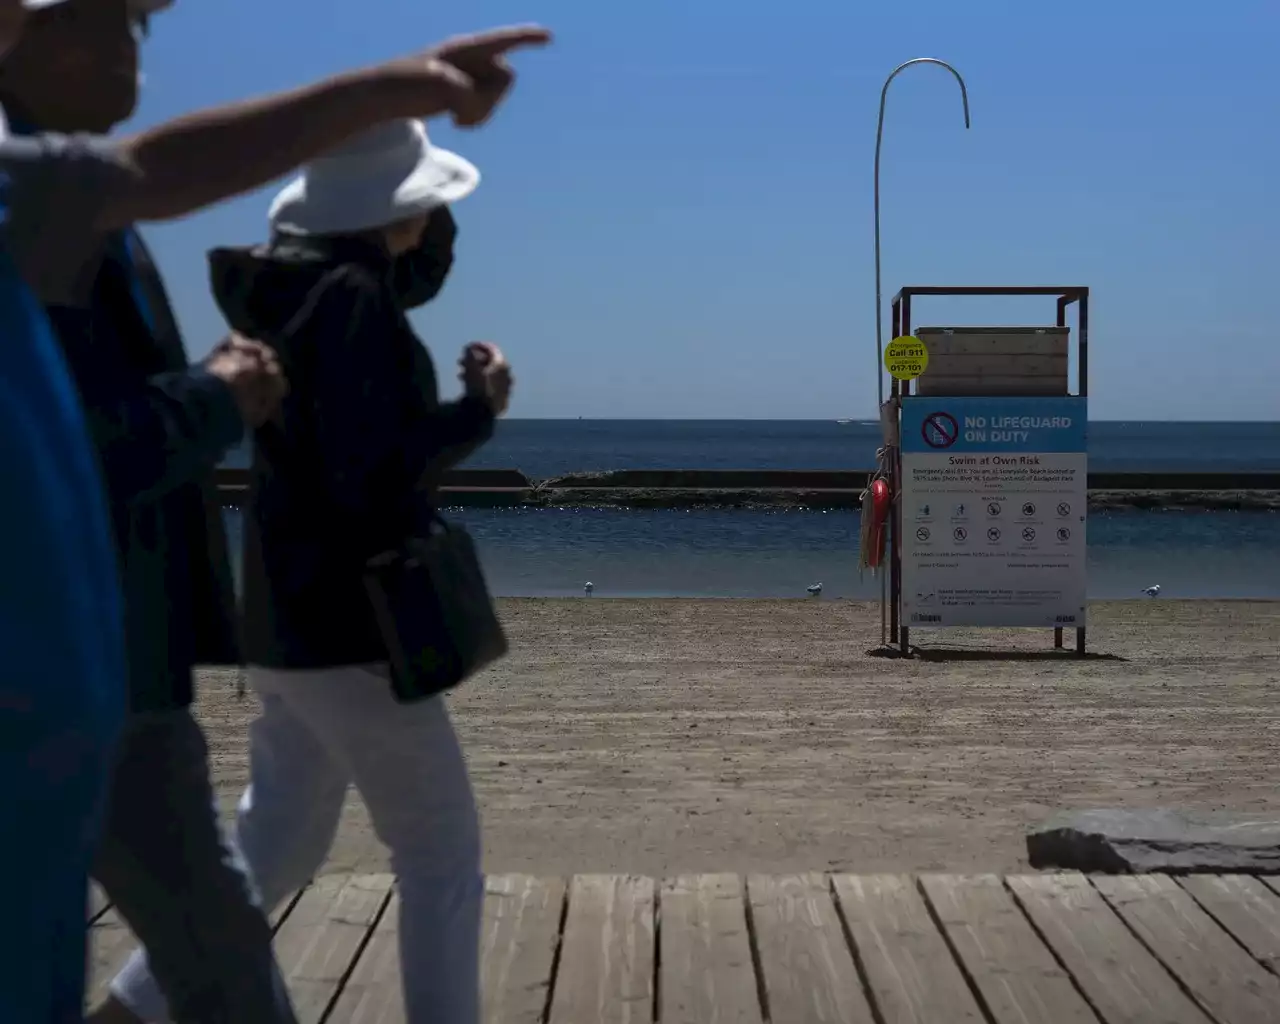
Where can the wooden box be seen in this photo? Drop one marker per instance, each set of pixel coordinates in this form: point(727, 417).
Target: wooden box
point(994, 361)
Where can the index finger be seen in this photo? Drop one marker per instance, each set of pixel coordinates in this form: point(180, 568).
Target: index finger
point(494, 42)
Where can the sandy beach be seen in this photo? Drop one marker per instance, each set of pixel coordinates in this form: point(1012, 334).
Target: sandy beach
point(662, 736)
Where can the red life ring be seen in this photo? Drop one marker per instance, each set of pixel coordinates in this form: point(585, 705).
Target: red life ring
point(876, 502)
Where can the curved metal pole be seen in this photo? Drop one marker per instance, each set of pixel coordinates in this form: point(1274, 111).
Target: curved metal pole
point(884, 93)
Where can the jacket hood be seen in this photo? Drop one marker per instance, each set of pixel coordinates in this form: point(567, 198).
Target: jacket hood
point(259, 289)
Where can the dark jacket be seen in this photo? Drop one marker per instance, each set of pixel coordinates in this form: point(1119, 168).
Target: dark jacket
point(160, 429)
point(349, 470)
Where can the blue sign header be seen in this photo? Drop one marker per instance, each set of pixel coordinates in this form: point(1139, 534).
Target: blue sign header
point(966, 425)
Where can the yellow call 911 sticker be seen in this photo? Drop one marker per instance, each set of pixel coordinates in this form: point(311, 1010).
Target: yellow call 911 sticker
point(906, 357)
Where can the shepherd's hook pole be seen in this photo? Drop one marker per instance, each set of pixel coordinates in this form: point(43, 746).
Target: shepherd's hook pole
point(884, 93)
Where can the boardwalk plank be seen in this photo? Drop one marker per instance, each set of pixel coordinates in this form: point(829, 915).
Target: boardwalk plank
point(284, 908)
point(372, 995)
point(1244, 907)
point(110, 943)
point(606, 959)
point(98, 902)
point(318, 942)
point(912, 975)
point(1123, 981)
point(1013, 970)
point(1232, 986)
point(1118, 940)
point(518, 943)
point(808, 971)
point(707, 974)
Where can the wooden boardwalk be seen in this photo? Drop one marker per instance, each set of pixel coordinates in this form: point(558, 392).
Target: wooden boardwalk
point(804, 949)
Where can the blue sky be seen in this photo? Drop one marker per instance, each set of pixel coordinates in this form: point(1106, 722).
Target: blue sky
point(676, 215)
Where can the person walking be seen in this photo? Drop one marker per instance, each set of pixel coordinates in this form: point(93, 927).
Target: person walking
point(160, 427)
point(62, 691)
point(349, 470)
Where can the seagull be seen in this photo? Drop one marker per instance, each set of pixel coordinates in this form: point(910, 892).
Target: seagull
point(588, 587)
point(1152, 591)
point(814, 590)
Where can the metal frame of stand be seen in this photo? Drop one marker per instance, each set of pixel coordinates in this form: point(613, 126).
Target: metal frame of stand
point(900, 325)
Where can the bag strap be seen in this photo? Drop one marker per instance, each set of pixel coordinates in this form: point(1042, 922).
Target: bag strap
point(269, 436)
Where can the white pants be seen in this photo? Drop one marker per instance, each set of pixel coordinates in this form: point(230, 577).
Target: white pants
point(320, 731)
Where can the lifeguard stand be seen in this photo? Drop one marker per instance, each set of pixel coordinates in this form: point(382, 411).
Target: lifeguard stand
point(1020, 372)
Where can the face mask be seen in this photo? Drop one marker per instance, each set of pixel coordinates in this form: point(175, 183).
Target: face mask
point(421, 272)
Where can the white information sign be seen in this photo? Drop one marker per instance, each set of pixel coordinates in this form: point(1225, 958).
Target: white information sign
point(994, 494)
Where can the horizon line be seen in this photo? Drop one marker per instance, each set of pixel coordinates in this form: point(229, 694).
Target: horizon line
point(814, 419)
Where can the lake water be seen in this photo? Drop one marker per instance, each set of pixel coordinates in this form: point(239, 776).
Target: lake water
point(779, 552)
point(547, 448)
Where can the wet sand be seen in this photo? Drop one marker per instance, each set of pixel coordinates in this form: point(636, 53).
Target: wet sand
point(697, 735)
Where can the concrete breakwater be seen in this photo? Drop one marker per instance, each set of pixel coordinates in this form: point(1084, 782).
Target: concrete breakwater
point(746, 488)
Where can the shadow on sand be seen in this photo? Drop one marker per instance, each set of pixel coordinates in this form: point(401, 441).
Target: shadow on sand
point(972, 654)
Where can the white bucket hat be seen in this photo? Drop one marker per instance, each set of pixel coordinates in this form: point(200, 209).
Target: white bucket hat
point(382, 176)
